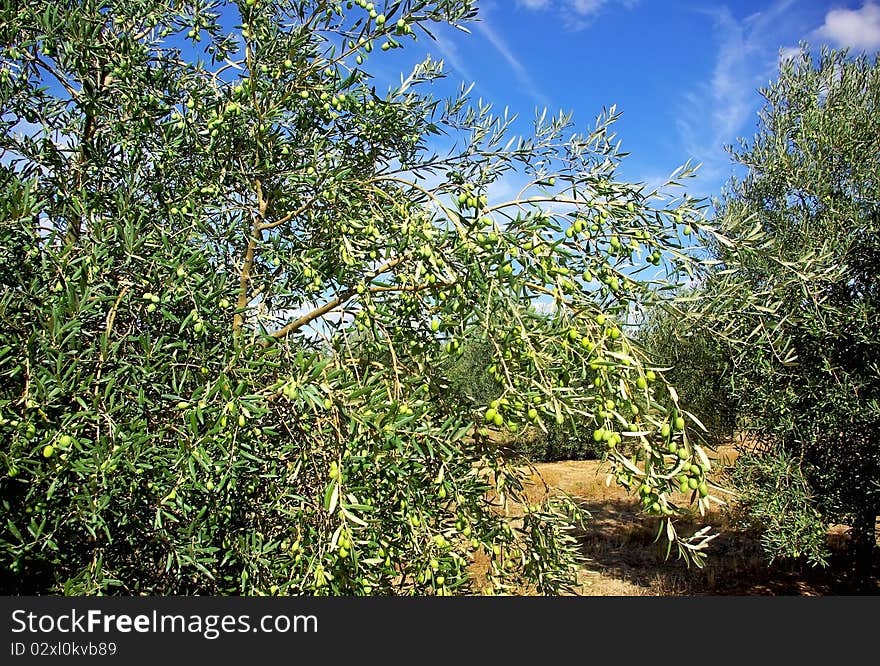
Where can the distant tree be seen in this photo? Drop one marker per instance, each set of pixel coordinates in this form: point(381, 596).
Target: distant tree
point(697, 365)
point(475, 381)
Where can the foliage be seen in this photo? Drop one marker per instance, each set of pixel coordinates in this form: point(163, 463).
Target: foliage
point(811, 192)
point(775, 499)
point(235, 283)
point(572, 441)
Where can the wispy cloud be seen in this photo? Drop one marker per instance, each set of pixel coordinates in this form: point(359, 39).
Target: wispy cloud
point(575, 14)
point(750, 49)
point(519, 70)
point(717, 112)
point(451, 55)
point(855, 28)
point(533, 4)
point(789, 53)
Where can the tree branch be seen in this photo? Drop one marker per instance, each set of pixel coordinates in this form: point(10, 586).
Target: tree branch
point(248, 263)
point(296, 213)
point(331, 305)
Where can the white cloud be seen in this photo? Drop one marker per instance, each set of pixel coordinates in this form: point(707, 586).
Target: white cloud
point(576, 14)
point(505, 188)
point(544, 305)
point(855, 28)
point(586, 7)
point(533, 4)
point(790, 53)
point(858, 29)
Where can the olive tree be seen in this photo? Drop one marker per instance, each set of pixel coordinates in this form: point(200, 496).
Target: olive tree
point(237, 275)
point(812, 189)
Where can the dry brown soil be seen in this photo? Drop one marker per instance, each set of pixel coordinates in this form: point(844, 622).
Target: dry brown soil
point(621, 558)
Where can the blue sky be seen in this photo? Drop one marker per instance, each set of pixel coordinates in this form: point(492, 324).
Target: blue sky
point(685, 74)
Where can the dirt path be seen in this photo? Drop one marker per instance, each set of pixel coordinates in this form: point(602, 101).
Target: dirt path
point(622, 560)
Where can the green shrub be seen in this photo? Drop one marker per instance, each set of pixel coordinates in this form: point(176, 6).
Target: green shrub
point(774, 499)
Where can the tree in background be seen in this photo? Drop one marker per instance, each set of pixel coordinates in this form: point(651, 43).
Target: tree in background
point(813, 189)
point(473, 383)
point(696, 364)
point(235, 281)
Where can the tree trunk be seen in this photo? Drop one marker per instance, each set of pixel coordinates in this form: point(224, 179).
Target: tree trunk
point(862, 545)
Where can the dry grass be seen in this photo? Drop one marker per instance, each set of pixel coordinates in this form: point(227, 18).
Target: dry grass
point(622, 558)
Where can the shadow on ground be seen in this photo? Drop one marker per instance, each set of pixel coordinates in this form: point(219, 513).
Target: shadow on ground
point(622, 559)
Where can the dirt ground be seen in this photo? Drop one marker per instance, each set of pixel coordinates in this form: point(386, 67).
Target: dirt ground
point(621, 558)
